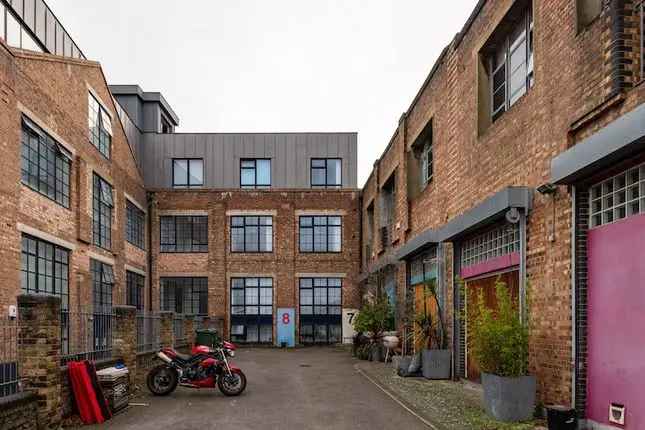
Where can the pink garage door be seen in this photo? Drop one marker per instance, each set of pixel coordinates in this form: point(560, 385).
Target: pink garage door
point(616, 326)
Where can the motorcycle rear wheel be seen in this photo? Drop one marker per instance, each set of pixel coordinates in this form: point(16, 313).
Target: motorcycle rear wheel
point(162, 380)
point(232, 385)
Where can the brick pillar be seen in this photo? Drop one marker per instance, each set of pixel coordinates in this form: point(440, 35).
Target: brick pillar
point(189, 330)
point(39, 354)
point(124, 336)
point(166, 333)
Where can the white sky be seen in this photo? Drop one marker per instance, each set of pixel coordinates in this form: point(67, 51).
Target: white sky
point(272, 65)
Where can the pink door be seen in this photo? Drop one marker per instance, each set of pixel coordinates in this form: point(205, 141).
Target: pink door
point(616, 324)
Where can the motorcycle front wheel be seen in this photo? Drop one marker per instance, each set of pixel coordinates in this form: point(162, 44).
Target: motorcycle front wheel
point(232, 385)
point(162, 380)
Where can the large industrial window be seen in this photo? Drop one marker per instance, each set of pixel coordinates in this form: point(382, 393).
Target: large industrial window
point(100, 125)
point(501, 240)
point(187, 296)
point(184, 233)
point(326, 172)
point(135, 225)
point(252, 310)
point(255, 173)
point(187, 173)
point(251, 234)
point(102, 318)
point(509, 58)
point(134, 289)
point(102, 205)
point(320, 310)
point(618, 197)
point(14, 33)
point(44, 269)
point(45, 164)
point(320, 234)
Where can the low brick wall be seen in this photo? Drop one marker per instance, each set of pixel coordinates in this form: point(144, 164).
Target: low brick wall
point(19, 412)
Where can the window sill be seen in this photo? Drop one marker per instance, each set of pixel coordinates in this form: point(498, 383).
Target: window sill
point(183, 252)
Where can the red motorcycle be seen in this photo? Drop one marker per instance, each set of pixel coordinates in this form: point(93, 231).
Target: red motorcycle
point(204, 368)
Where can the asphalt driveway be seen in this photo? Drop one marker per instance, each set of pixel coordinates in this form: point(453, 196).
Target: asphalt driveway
point(311, 388)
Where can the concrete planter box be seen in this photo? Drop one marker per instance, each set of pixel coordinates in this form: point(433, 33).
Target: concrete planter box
point(435, 363)
point(509, 399)
point(404, 363)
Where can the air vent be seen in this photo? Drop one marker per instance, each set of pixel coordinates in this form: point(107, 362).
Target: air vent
point(617, 414)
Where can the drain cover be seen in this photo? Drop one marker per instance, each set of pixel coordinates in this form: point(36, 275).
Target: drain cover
point(305, 365)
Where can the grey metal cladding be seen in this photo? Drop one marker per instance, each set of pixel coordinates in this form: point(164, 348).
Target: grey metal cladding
point(290, 155)
point(618, 140)
point(132, 133)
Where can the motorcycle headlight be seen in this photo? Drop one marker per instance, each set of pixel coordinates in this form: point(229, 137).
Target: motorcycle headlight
point(230, 353)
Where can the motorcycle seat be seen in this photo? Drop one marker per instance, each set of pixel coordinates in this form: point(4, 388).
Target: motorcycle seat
point(183, 357)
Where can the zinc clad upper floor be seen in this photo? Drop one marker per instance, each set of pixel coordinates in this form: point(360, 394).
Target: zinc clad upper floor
point(239, 160)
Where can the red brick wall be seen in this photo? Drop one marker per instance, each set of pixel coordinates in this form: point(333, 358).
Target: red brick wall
point(283, 264)
point(570, 100)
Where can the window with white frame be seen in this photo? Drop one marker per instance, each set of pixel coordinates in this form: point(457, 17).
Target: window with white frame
point(509, 58)
point(499, 241)
point(618, 197)
point(100, 125)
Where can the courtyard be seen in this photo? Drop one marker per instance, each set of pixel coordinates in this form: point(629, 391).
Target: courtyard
point(308, 388)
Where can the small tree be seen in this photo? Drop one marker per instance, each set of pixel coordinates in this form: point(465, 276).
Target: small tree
point(375, 318)
point(500, 339)
point(429, 327)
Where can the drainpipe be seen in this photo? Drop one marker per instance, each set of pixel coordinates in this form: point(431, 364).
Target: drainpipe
point(149, 199)
point(574, 359)
point(522, 274)
point(617, 46)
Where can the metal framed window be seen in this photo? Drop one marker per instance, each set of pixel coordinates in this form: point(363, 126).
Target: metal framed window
point(102, 206)
point(187, 172)
point(326, 173)
point(183, 233)
point(45, 164)
point(423, 267)
point(102, 286)
point(44, 269)
point(251, 234)
point(320, 310)
point(100, 125)
point(135, 285)
point(426, 163)
point(618, 197)
point(499, 241)
point(16, 32)
point(511, 66)
point(135, 225)
point(252, 310)
point(320, 234)
point(185, 295)
point(255, 173)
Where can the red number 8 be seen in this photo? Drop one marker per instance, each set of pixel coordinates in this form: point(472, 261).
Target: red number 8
point(285, 318)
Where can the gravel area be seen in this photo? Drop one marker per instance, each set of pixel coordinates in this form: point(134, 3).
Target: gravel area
point(447, 405)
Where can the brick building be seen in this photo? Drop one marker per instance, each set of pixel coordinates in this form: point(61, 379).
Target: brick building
point(104, 204)
point(519, 159)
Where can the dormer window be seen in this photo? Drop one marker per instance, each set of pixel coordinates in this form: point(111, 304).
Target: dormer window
point(100, 124)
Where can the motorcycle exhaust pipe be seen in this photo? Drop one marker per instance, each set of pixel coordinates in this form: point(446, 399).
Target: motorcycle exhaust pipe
point(164, 357)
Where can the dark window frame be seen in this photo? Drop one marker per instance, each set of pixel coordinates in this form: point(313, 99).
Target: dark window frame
point(188, 184)
point(313, 226)
point(259, 318)
point(102, 286)
point(135, 288)
point(255, 184)
point(243, 227)
point(196, 246)
point(102, 209)
point(49, 178)
point(312, 317)
point(101, 139)
point(198, 294)
point(135, 225)
point(32, 262)
point(326, 168)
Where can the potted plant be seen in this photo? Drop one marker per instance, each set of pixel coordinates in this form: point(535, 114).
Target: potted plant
point(430, 334)
point(500, 344)
point(373, 319)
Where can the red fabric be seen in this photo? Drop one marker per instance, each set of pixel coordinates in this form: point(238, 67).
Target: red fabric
point(84, 394)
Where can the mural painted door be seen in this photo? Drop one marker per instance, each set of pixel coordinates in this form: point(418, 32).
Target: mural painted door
point(419, 307)
point(487, 287)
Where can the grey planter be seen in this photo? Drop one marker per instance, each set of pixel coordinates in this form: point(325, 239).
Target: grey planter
point(404, 363)
point(509, 399)
point(436, 363)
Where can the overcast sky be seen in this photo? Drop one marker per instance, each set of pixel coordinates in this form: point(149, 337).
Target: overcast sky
point(272, 65)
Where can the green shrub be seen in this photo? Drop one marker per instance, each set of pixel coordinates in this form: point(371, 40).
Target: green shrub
point(500, 339)
point(375, 318)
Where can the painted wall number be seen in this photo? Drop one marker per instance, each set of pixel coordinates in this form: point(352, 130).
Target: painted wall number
point(285, 318)
point(351, 316)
